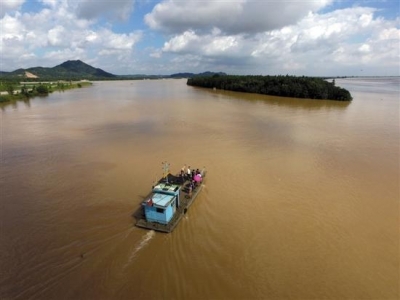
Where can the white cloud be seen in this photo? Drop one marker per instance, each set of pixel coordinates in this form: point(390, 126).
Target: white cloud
point(351, 37)
point(238, 37)
point(12, 39)
point(59, 55)
point(11, 27)
point(389, 34)
point(212, 45)
point(186, 42)
point(55, 34)
point(51, 3)
point(231, 17)
point(365, 48)
point(117, 9)
point(10, 5)
point(119, 41)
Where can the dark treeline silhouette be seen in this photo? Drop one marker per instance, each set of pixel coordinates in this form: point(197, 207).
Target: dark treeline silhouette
point(285, 86)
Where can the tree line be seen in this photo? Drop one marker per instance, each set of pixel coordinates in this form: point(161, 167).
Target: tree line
point(11, 90)
point(285, 86)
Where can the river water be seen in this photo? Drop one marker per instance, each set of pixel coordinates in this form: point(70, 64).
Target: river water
point(301, 199)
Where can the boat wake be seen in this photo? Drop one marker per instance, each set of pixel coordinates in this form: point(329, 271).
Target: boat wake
point(143, 243)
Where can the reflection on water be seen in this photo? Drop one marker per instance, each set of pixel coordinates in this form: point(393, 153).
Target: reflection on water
point(294, 103)
point(301, 198)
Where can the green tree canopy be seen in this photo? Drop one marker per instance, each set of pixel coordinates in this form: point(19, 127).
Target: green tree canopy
point(42, 89)
point(286, 86)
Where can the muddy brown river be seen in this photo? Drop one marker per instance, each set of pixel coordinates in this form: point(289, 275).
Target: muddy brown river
point(301, 199)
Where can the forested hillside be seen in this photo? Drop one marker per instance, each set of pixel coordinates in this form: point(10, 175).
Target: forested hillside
point(69, 70)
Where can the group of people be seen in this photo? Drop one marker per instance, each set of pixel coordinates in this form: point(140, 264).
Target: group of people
point(190, 174)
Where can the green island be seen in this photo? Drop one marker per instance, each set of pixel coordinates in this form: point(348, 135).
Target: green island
point(12, 90)
point(284, 86)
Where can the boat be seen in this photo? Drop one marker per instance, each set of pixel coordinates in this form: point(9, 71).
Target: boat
point(169, 200)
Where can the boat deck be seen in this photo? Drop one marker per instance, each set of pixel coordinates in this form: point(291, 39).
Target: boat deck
point(185, 202)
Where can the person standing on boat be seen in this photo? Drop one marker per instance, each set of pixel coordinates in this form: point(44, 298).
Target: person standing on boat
point(182, 175)
point(189, 173)
point(190, 191)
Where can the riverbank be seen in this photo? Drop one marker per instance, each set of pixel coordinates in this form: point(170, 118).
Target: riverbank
point(26, 90)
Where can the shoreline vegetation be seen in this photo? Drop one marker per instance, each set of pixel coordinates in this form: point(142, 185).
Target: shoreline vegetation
point(284, 86)
point(11, 91)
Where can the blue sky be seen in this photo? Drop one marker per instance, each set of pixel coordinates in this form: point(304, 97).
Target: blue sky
point(296, 37)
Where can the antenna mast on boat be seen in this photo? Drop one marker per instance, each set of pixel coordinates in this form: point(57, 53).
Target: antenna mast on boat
point(166, 170)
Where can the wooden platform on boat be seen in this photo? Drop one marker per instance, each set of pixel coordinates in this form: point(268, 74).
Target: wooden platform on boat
point(185, 203)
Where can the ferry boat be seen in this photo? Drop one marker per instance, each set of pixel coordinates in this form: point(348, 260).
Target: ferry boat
point(170, 199)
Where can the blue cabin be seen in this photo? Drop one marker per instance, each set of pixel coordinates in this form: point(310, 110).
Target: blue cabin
point(162, 204)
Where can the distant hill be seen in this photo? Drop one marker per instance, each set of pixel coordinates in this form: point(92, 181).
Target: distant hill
point(78, 67)
point(190, 75)
point(69, 70)
point(77, 70)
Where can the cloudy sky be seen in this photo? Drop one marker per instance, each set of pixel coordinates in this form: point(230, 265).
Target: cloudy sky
point(296, 37)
